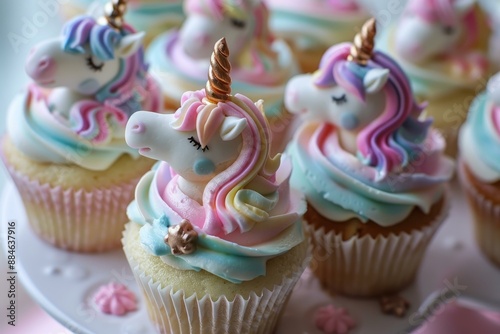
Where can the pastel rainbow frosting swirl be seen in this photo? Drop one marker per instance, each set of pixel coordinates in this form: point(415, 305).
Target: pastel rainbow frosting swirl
point(90, 133)
point(479, 138)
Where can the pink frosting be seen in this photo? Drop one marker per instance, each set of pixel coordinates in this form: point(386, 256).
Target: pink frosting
point(457, 319)
point(333, 320)
point(255, 73)
point(496, 119)
point(115, 299)
point(320, 8)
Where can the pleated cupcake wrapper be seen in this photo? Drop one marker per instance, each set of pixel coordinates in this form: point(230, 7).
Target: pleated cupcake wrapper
point(486, 216)
point(367, 266)
point(174, 312)
point(75, 219)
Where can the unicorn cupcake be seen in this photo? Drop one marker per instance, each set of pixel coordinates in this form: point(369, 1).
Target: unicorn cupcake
point(312, 26)
point(65, 147)
point(261, 65)
point(215, 232)
point(372, 170)
point(479, 167)
point(441, 45)
point(150, 16)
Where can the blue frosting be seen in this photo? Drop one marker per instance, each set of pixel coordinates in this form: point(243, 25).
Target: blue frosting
point(340, 187)
point(160, 63)
point(228, 260)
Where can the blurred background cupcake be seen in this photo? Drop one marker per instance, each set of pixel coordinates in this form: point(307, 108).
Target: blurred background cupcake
point(150, 16)
point(442, 47)
point(65, 148)
point(215, 239)
point(479, 167)
point(261, 65)
point(492, 11)
point(372, 170)
point(312, 26)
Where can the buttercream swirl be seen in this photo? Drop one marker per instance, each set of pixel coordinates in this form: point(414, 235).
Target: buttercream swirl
point(226, 259)
point(177, 73)
point(431, 79)
point(72, 117)
point(340, 187)
point(315, 24)
point(47, 137)
point(145, 15)
point(440, 45)
point(479, 139)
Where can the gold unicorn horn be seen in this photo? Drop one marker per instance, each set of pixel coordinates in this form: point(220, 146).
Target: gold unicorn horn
point(113, 13)
point(218, 86)
point(364, 43)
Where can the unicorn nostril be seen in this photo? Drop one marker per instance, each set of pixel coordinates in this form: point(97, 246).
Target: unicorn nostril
point(44, 63)
point(138, 128)
point(41, 69)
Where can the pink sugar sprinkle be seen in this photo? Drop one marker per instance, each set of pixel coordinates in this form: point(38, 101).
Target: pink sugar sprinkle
point(115, 299)
point(333, 320)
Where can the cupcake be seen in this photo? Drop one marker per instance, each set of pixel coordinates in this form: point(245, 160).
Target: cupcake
point(215, 240)
point(441, 45)
point(372, 170)
point(261, 64)
point(65, 147)
point(312, 26)
point(151, 16)
point(479, 167)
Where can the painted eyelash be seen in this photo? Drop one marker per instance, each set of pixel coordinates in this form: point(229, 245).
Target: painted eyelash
point(339, 100)
point(449, 30)
point(92, 65)
point(238, 23)
point(197, 144)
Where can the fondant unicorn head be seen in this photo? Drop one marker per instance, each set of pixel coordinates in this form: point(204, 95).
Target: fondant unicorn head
point(243, 23)
point(368, 97)
point(96, 74)
point(431, 28)
point(218, 146)
point(99, 60)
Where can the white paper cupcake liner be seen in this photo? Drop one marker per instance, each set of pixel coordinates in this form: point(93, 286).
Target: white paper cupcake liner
point(367, 266)
point(486, 215)
point(75, 219)
point(174, 312)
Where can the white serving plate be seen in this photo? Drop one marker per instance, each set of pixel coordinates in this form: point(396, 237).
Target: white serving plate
point(63, 283)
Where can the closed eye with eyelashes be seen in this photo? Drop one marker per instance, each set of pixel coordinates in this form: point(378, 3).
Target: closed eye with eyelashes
point(339, 100)
point(92, 65)
point(238, 23)
point(197, 144)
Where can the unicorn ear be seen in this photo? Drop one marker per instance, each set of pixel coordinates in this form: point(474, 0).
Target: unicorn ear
point(232, 127)
point(375, 80)
point(129, 44)
point(463, 6)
